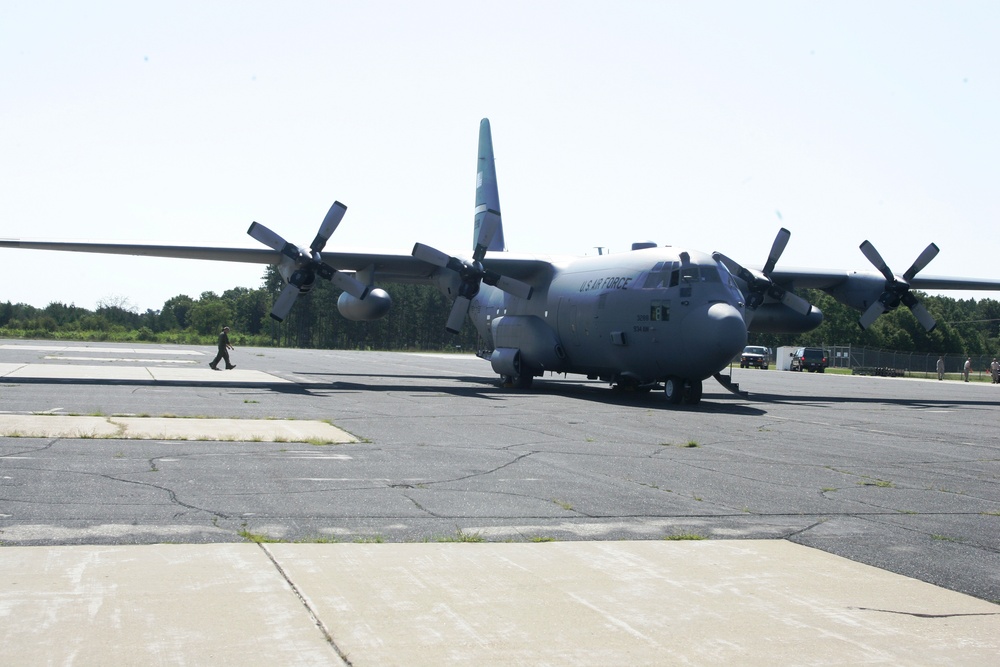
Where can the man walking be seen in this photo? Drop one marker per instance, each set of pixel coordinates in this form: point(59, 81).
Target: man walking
point(224, 348)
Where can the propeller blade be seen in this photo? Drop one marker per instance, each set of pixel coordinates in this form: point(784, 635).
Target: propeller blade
point(925, 318)
point(487, 229)
point(876, 259)
point(267, 237)
point(430, 255)
point(283, 303)
point(778, 247)
point(329, 226)
point(512, 287)
point(457, 316)
point(349, 284)
point(871, 314)
point(929, 253)
point(796, 303)
point(730, 264)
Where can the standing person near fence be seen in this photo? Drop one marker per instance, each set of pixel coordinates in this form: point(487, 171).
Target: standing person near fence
point(940, 368)
point(968, 368)
point(995, 371)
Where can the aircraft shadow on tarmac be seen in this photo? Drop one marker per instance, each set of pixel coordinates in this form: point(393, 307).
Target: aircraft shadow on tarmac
point(479, 387)
point(719, 402)
point(932, 403)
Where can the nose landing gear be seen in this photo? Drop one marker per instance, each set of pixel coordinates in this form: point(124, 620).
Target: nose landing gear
point(678, 390)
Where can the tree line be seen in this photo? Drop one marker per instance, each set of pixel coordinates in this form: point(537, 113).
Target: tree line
point(416, 321)
point(419, 312)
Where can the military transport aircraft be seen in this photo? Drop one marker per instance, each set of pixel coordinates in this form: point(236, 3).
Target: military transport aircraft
point(654, 315)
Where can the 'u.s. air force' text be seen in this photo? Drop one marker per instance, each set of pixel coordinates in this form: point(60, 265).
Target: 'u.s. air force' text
point(610, 282)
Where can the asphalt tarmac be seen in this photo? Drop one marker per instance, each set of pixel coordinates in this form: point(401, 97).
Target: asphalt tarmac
point(898, 474)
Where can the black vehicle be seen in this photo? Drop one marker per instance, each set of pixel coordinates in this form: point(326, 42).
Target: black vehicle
point(812, 359)
point(756, 356)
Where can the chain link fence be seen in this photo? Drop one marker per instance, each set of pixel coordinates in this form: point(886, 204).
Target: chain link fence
point(866, 361)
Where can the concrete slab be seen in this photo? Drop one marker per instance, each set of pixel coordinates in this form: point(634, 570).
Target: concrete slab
point(162, 604)
point(162, 428)
point(133, 374)
point(566, 603)
point(101, 349)
point(631, 603)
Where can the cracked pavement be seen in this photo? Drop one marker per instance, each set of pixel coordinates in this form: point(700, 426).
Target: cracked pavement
point(899, 474)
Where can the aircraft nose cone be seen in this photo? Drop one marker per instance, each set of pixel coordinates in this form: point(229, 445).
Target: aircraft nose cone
point(713, 337)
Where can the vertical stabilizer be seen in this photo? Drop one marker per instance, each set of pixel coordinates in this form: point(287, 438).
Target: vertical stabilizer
point(488, 231)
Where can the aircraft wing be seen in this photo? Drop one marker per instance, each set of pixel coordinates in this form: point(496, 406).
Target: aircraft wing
point(386, 266)
point(250, 255)
point(826, 280)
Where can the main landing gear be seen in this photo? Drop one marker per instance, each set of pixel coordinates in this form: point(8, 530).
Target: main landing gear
point(520, 381)
point(678, 390)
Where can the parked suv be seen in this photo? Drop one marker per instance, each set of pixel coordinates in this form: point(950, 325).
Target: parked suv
point(754, 355)
point(812, 359)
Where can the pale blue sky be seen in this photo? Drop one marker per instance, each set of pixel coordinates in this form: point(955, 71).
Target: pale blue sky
point(688, 123)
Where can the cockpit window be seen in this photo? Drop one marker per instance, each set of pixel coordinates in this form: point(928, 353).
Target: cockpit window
point(727, 279)
point(693, 273)
point(671, 274)
point(664, 274)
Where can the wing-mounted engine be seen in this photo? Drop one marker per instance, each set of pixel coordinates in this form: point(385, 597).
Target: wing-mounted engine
point(301, 266)
point(896, 289)
point(760, 285)
point(373, 307)
point(779, 318)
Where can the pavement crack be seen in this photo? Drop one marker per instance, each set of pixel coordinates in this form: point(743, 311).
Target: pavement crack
point(482, 473)
point(920, 615)
point(317, 621)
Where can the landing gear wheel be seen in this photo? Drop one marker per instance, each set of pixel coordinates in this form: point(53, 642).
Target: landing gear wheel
point(523, 381)
point(673, 390)
point(516, 381)
point(692, 392)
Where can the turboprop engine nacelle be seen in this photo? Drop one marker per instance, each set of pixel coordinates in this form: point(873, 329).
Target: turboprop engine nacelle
point(374, 306)
point(287, 268)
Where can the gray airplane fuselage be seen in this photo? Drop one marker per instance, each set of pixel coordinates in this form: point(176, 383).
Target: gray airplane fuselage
point(633, 318)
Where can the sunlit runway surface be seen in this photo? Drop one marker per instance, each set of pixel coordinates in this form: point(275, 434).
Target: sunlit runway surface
point(898, 474)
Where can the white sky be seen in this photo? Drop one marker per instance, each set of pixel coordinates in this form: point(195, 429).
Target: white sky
point(696, 124)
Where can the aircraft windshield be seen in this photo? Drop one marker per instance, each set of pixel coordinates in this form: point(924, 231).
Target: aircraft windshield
point(671, 274)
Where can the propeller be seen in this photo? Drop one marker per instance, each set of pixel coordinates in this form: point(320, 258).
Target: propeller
point(897, 289)
point(307, 265)
point(759, 283)
point(472, 274)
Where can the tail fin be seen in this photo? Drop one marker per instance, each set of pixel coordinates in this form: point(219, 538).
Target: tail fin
point(487, 197)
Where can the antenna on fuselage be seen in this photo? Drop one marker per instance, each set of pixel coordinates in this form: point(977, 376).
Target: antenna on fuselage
point(600, 249)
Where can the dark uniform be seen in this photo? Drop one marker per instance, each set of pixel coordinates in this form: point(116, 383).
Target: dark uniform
point(224, 348)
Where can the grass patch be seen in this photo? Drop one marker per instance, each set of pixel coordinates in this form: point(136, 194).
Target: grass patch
point(461, 536)
point(880, 483)
point(258, 538)
point(684, 536)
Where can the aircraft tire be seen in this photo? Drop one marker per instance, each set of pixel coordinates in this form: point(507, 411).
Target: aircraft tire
point(516, 381)
point(692, 392)
point(673, 390)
